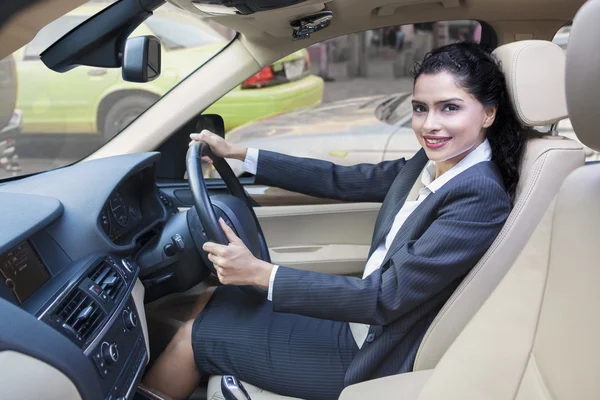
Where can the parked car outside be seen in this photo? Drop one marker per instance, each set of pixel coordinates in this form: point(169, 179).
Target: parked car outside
point(346, 132)
point(97, 101)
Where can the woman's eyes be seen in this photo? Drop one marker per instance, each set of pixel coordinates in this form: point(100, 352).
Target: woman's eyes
point(451, 107)
point(447, 107)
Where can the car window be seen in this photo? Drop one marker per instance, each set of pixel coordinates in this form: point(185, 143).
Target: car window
point(561, 37)
point(348, 99)
point(396, 109)
point(50, 34)
point(61, 118)
point(176, 33)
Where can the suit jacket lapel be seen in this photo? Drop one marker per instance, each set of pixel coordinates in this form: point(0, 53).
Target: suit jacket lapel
point(397, 196)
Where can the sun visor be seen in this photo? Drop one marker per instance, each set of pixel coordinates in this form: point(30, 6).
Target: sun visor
point(241, 7)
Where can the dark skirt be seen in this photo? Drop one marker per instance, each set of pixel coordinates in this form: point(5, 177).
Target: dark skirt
point(289, 354)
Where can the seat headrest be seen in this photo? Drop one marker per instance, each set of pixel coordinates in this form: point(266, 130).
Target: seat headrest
point(535, 76)
point(583, 74)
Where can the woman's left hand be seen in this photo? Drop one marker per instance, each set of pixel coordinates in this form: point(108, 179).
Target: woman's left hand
point(235, 264)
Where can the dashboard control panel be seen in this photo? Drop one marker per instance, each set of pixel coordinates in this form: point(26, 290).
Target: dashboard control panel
point(120, 354)
point(98, 314)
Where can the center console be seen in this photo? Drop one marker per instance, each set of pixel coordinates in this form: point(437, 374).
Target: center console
point(98, 314)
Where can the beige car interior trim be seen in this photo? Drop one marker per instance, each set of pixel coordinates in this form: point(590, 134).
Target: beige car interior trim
point(23, 377)
point(273, 196)
point(340, 259)
point(138, 298)
point(582, 92)
point(535, 71)
point(396, 387)
point(330, 238)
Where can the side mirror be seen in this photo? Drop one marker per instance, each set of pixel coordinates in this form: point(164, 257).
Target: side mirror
point(212, 122)
point(141, 59)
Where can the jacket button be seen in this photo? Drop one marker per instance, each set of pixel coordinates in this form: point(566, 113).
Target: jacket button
point(370, 337)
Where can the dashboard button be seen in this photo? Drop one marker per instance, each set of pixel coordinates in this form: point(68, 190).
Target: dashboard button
point(110, 353)
point(130, 319)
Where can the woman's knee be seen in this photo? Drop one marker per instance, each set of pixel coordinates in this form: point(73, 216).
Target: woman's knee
point(201, 302)
point(182, 341)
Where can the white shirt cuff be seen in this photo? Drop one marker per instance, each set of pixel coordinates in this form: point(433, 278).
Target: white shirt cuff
point(271, 281)
point(251, 161)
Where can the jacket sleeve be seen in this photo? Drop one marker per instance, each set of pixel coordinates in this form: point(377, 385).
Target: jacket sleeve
point(357, 183)
point(467, 224)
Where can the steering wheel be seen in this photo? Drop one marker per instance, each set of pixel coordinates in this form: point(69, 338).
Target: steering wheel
point(235, 209)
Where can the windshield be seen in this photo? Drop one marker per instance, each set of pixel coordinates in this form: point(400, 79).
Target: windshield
point(60, 118)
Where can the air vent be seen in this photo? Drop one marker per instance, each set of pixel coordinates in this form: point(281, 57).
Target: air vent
point(80, 315)
point(109, 280)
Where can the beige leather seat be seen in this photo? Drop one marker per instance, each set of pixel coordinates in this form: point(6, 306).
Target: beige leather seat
point(534, 71)
point(536, 337)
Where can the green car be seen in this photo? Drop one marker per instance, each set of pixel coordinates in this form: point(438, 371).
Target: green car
point(96, 101)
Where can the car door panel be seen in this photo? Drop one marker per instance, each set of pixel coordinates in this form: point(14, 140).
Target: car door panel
point(329, 238)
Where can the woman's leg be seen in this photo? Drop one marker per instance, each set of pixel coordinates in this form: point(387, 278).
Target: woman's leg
point(174, 374)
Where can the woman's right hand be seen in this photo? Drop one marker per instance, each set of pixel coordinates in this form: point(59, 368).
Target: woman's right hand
point(219, 146)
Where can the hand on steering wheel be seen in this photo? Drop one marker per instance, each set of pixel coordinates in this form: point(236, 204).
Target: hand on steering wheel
point(219, 147)
point(235, 264)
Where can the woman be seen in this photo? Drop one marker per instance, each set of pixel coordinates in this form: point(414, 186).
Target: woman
point(319, 333)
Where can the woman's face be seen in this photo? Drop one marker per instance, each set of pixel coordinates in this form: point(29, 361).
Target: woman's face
point(448, 121)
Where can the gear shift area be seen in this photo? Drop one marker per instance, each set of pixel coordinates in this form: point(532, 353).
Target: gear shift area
point(233, 389)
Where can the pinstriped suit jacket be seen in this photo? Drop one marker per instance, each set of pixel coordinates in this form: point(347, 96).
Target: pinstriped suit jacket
point(435, 248)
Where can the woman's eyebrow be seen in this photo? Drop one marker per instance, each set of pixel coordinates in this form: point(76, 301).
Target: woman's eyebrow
point(448, 100)
point(440, 101)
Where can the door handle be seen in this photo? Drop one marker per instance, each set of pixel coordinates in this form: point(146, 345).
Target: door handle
point(97, 72)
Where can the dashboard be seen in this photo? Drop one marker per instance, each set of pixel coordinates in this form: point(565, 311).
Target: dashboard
point(69, 282)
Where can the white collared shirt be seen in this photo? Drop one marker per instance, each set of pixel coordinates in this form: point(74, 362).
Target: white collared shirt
point(482, 153)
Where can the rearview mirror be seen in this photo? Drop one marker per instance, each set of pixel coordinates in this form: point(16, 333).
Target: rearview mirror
point(212, 122)
point(141, 59)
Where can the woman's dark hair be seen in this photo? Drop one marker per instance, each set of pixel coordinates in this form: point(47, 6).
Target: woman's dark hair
point(478, 72)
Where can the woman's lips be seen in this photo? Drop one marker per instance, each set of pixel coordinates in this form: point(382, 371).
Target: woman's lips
point(435, 142)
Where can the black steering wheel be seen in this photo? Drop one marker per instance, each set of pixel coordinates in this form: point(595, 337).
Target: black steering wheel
point(235, 209)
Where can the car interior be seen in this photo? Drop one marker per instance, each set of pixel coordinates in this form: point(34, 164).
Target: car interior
point(102, 259)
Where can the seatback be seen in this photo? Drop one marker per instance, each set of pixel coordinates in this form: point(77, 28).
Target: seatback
point(537, 335)
point(534, 71)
